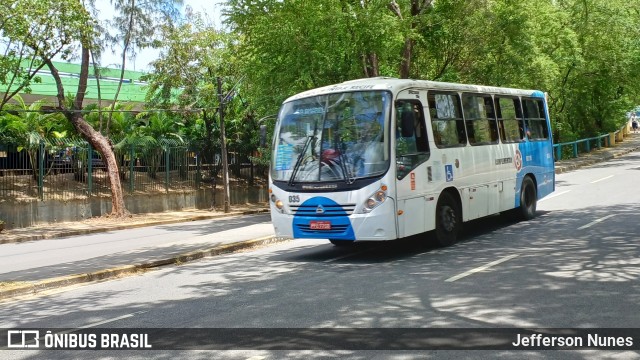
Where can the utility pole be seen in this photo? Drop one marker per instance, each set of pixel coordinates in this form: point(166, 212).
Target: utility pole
point(225, 164)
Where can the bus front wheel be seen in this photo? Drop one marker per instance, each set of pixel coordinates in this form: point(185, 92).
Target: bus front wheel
point(448, 219)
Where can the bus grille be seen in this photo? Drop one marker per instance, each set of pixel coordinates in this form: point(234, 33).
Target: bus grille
point(329, 210)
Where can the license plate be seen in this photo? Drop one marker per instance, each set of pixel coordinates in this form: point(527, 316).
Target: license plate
point(320, 225)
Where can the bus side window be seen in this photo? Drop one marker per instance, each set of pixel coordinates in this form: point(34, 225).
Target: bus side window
point(446, 120)
point(413, 150)
point(510, 121)
point(535, 119)
point(479, 115)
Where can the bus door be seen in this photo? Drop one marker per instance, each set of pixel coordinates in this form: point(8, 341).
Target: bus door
point(411, 154)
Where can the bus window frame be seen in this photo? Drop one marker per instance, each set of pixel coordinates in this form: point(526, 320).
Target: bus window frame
point(494, 131)
point(519, 118)
point(437, 139)
point(423, 152)
point(543, 119)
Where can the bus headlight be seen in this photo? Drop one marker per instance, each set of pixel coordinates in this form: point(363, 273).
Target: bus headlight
point(375, 199)
point(277, 202)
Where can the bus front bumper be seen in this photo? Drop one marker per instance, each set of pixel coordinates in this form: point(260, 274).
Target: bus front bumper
point(378, 225)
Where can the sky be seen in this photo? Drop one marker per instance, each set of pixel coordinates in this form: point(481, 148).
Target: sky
point(210, 8)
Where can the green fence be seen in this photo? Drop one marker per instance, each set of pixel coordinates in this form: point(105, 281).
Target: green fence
point(65, 169)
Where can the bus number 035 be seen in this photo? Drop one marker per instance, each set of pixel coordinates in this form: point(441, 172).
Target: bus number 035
point(294, 199)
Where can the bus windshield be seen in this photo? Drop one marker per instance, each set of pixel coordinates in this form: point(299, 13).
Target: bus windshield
point(334, 137)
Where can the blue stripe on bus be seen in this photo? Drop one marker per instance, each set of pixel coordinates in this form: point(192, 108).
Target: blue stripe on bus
point(341, 228)
point(540, 166)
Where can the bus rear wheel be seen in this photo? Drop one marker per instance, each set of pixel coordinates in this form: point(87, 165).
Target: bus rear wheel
point(528, 200)
point(448, 220)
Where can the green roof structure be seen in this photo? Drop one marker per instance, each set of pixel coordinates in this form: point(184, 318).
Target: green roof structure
point(133, 89)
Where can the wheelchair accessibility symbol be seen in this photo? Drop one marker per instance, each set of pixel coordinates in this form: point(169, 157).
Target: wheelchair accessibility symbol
point(448, 170)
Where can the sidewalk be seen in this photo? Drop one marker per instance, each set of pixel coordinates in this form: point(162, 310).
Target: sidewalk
point(29, 267)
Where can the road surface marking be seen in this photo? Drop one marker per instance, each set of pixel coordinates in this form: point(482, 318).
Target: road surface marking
point(481, 268)
point(112, 320)
point(604, 178)
point(554, 195)
point(595, 222)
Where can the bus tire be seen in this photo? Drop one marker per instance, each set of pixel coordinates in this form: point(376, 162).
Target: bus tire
point(528, 200)
point(448, 220)
point(342, 242)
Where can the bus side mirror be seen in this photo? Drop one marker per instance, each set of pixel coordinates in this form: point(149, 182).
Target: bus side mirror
point(407, 120)
point(263, 135)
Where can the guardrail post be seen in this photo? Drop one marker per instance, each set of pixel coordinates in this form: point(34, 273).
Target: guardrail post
point(41, 170)
point(575, 149)
point(588, 145)
point(559, 152)
point(89, 169)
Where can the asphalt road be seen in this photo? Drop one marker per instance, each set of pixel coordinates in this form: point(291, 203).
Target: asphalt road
point(576, 265)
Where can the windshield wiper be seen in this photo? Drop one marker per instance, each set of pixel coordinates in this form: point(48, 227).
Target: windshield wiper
point(348, 178)
point(296, 167)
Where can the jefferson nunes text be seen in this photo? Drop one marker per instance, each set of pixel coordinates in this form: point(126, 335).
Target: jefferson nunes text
point(537, 340)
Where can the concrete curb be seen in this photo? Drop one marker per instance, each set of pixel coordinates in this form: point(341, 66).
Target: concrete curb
point(64, 281)
point(67, 233)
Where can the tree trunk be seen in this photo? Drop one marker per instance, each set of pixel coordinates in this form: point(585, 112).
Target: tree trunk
point(101, 144)
point(417, 8)
point(97, 140)
point(127, 42)
point(223, 140)
point(405, 64)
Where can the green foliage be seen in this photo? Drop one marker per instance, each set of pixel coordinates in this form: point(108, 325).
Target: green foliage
point(585, 54)
point(32, 32)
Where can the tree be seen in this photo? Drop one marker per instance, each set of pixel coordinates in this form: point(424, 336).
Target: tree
point(291, 46)
point(62, 29)
point(198, 72)
point(29, 34)
point(136, 24)
point(598, 85)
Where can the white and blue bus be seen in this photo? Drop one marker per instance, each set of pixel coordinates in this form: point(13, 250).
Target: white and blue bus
point(384, 158)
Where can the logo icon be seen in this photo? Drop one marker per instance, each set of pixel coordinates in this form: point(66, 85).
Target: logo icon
point(22, 338)
point(320, 209)
point(517, 160)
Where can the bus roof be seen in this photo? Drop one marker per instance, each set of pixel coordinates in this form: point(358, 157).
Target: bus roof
point(395, 85)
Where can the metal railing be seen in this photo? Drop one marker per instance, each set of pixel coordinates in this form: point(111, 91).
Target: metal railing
point(573, 149)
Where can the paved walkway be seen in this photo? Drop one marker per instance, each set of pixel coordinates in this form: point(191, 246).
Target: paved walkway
point(28, 266)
